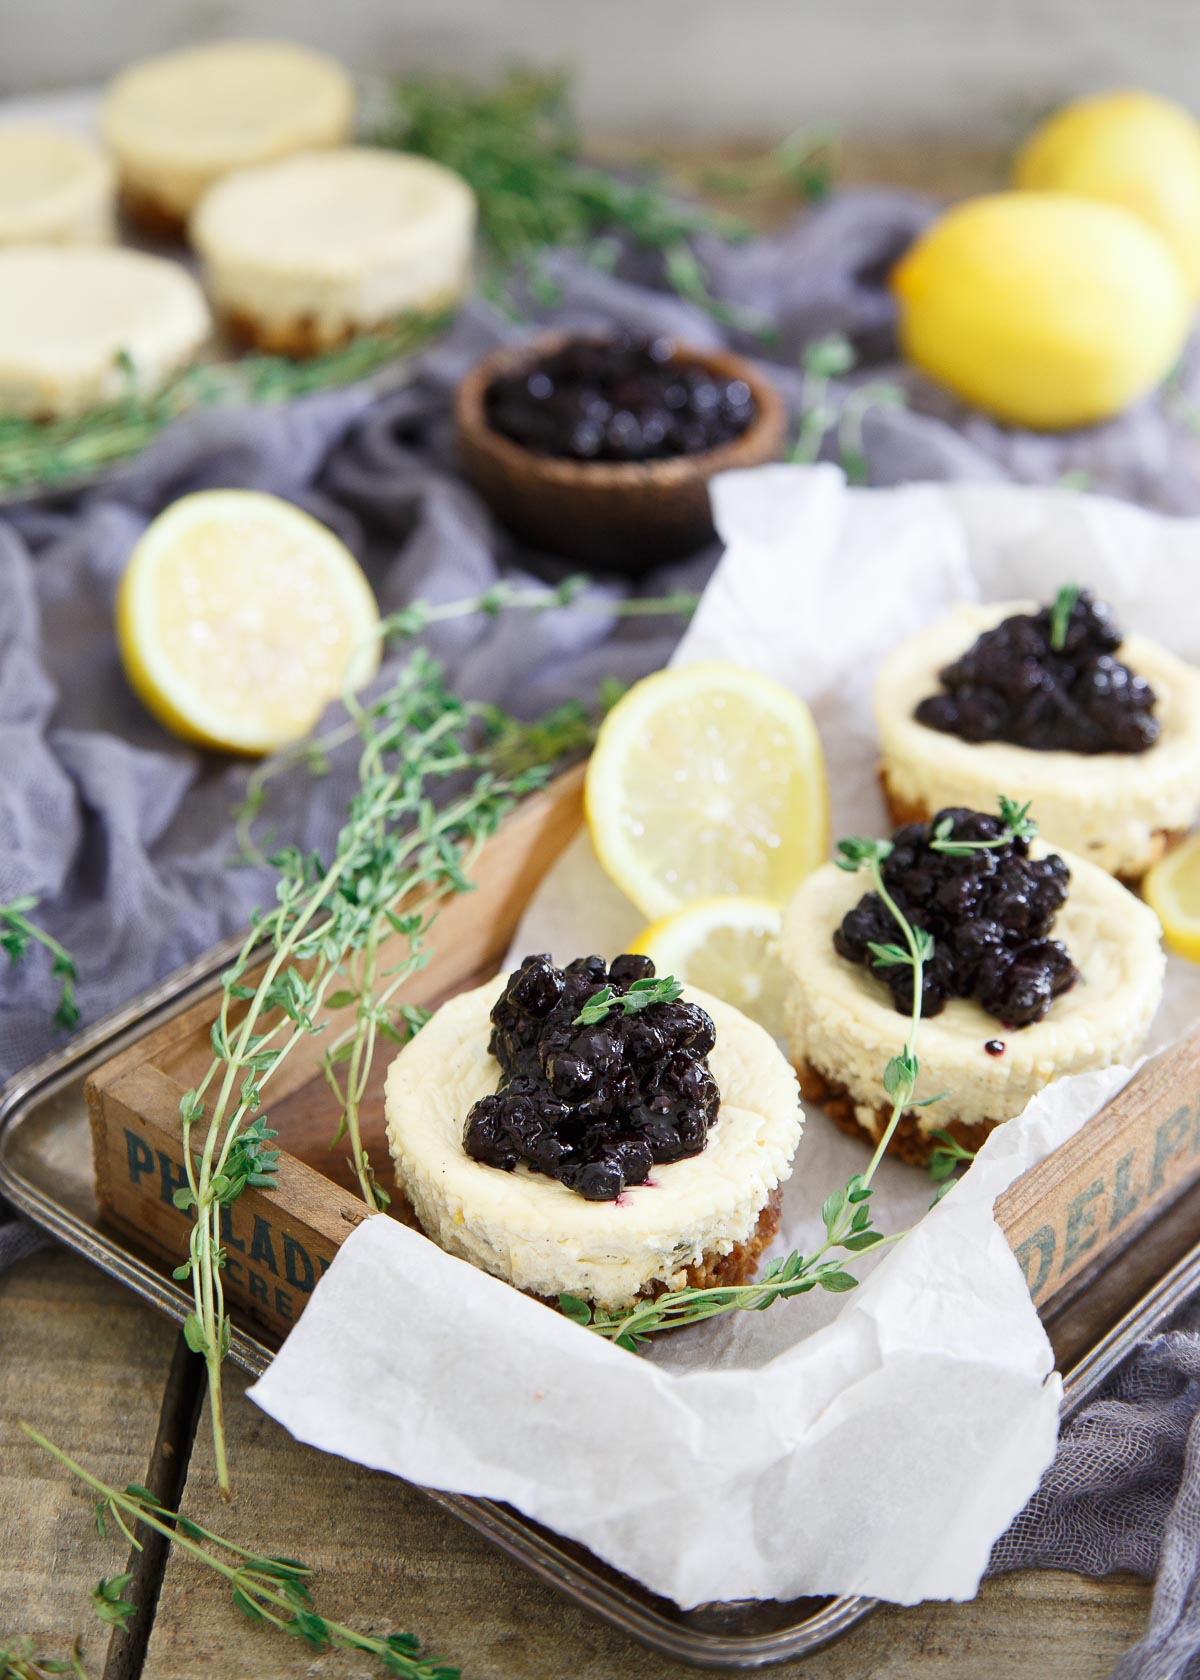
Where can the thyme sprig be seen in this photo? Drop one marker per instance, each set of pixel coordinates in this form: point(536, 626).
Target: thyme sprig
point(643, 994)
point(271, 1591)
point(18, 933)
point(19, 1661)
point(518, 147)
point(1060, 615)
point(846, 1213)
point(944, 1160)
point(38, 453)
point(823, 360)
point(430, 790)
point(1018, 825)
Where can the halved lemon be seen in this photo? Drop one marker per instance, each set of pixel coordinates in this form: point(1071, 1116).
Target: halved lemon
point(707, 781)
point(1172, 889)
point(239, 618)
point(726, 946)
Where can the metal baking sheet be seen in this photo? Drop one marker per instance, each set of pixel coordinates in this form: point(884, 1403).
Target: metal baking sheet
point(46, 1171)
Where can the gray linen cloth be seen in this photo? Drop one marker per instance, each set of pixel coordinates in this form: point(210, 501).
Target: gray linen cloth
point(125, 835)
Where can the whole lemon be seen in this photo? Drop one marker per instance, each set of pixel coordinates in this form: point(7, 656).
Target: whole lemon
point(1128, 148)
point(1043, 309)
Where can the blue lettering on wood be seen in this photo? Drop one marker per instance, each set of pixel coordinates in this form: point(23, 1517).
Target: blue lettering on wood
point(260, 1245)
point(1082, 1230)
point(1042, 1243)
point(139, 1155)
point(297, 1266)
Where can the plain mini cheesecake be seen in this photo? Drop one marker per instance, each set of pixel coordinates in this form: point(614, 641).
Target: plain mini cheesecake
point(181, 121)
point(1103, 735)
point(1043, 965)
point(81, 326)
point(301, 255)
point(54, 188)
point(607, 1160)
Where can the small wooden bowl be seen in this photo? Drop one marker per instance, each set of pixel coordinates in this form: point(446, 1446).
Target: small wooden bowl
point(625, 516)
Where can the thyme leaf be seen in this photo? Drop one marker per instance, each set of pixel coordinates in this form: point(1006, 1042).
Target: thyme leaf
point(1018, 825)
point(643, 994)
point(271, 1591)
point(18, 933)
point(1060, 615)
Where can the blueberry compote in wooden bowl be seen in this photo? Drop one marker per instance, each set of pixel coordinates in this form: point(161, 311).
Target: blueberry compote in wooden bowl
point(600, 449)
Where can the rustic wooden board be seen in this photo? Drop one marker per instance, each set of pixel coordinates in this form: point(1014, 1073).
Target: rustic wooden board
point(384, 1556)
point(91, 1367)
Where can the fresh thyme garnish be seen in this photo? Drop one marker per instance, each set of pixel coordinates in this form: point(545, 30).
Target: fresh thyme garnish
point(1018, 825)
point(641, 995)
point(55, 452)
point(1060, 615)
point(845, 1213)
point(518, 147)
point(273, 1591)
point(944, 1159)
point(399, 855)
point(18, 933)
point(19, 1662)
point(824, 359)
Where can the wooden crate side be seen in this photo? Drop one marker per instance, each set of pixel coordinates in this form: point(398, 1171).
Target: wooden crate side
point(1094, 1192)
point(278, 1243)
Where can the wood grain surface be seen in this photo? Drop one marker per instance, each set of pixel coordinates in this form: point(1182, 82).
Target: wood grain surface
point(386, 1557)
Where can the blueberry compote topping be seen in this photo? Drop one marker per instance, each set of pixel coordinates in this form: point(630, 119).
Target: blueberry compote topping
point(990, 915)
point(593, 1106)
point(1025, 684)
point(618, 399)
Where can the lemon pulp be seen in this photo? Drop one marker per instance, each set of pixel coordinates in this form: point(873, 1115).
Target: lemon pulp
point(706, 781)
point(240, 618)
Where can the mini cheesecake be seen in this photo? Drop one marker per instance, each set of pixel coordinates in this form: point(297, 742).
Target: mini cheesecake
point(181, 121)
point(698, 1220)
point(54, 188)
point(301, 255)
point(1120, 810)
point(80, 327)
point(844, 1021)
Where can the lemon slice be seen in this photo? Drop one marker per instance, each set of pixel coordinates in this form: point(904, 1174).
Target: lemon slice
point(239, 618)
point(707, 781)
point(726, 946)
point(1172, 889)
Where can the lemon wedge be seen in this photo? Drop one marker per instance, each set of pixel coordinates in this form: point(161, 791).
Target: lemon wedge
point(239, 618)
point(707, 781)
point(726, 946)
point(1172, 890)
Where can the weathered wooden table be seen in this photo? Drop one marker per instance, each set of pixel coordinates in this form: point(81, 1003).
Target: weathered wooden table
point(109, 1381)
point(112, 1384)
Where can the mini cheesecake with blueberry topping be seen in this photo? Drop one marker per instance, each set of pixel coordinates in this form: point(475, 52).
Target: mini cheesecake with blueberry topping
point(592, 1131)
point(1042, 965)
point(1100, 731)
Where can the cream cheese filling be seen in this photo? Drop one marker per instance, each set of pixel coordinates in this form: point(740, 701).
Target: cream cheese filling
point(336, 240)
point(841, 1020)
point(54, 188)
point(544, 1238)
point(78, 324)
point(1108, 807)
point(182, 120)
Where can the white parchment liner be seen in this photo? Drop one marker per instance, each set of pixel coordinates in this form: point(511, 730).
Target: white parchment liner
point(875, 1442)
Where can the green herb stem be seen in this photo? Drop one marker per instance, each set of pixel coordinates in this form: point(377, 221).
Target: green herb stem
point(270, 1590)
point(18, 932)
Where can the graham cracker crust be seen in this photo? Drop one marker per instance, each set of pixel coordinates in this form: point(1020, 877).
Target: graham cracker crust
point(302, 336)
point(152, 215)
point(902, 811)
point(908, 1142)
